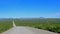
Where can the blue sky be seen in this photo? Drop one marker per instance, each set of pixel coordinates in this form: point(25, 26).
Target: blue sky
point(29, 8)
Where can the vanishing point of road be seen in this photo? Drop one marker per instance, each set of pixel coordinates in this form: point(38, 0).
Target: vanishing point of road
point(26, 30)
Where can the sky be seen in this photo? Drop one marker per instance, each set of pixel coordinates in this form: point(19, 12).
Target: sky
point(29, 8)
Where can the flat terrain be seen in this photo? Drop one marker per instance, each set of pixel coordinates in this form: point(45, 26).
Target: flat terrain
point(26, 30)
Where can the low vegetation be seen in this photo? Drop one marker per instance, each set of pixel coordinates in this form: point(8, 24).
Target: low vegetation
point(52, 25)
point(5, 25)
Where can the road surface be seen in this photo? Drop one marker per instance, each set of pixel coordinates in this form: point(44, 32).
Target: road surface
point(26, 30)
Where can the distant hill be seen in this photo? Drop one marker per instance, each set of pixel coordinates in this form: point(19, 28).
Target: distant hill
point(41, 19)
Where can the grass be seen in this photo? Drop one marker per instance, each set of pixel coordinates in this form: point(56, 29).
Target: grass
point(52, 25)
point(5, 25)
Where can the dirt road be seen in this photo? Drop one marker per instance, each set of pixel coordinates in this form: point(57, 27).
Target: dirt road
point(26, 30)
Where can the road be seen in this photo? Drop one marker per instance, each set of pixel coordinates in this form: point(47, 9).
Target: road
point(26, 30)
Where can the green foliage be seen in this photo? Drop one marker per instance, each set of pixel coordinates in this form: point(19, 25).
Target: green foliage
point(5, 25)
point(52, 25)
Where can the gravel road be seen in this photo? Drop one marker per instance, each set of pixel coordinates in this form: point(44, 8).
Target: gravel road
point(26, 30)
